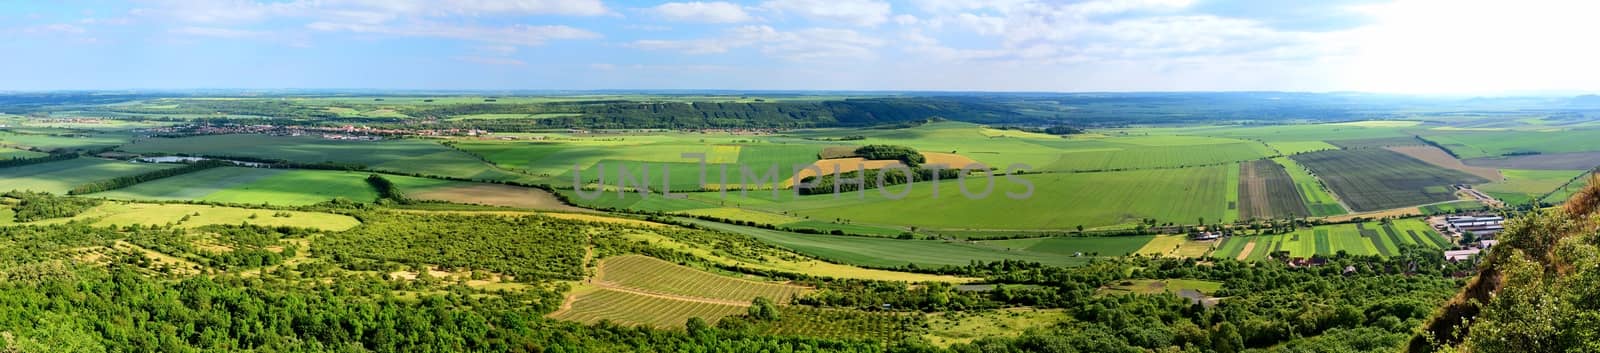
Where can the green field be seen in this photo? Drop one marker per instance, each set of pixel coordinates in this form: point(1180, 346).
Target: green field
point(190, 216)
point(1500, 143)
point(661, 277)
point(1560, 195)
point(1524, 186)
point(1373, 179)
point(53, 139)
point(58, 177)
point(882, 252)
point(12, 153)
point(404, 156)
point(1060, 201)
point(254, 186)
point(1076, 246)
point(1370, 238)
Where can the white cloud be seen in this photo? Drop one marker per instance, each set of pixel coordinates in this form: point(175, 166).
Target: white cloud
point(55, 28)
point(216, 32)
point(1473, 47)
point(866, 13)
point(365, 11)
point(807, 44)
point(510, 35)
point(702, 12)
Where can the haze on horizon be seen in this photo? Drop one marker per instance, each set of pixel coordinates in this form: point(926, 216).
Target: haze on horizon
point(1402, 46)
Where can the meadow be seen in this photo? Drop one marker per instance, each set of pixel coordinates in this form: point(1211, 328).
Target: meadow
point(11, 153)
point(58, 177)
point(404, 156)
point(1377, 179)
point(115, 214)
point(253, 186)
point(1524, 186)
point(1468, 145)
point(61, 139)
point(1077, 246)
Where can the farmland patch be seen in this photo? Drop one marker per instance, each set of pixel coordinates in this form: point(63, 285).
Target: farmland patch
point(1376, 179)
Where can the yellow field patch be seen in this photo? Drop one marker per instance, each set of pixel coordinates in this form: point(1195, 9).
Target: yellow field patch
point(844, 165)
point(1176, 246)
point(1162, 245)
point(126, 214)
point(723, 154)
point(950, 160)
point(810, 267)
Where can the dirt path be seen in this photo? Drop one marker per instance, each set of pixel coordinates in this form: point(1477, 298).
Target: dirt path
point(1245, 254)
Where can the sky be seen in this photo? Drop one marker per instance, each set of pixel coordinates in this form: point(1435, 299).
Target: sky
point(1394, 46)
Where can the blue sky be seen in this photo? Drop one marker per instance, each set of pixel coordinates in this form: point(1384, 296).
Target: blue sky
point(1413, 46)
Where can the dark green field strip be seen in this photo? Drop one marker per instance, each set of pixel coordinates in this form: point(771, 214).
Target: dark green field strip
point(1394, 238)
point(1438, 241)
point(1377, 179)
point(1324, 246)
point(1418, 240)
point(1384, 248)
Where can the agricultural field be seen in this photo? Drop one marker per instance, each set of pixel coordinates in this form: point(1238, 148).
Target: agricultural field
point(113, 214)
point(888, 253)
point(241, 185)
point(60, 139)
point(480, 194)
point(12, 153)
point(809, 266)
point(636, 309)
point(640, 290)
point(1178, 246)
point(651, 275)
point(1266, 191)
point(1378, 179)
point(1524, 186)
point(1560, 196)
point(1059, 201)
point(1438, 157)
point(1318, 200)
point(1370, 238)
point(1469, 145)
point(60, 176)
point(405, 156)
point(1078, 246)
point(1545, 161)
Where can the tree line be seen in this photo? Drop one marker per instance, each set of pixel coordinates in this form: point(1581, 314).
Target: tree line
point(126, 181)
